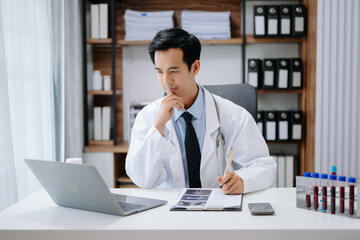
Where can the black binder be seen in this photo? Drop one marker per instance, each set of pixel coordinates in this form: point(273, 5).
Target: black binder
point(299, 20)
point(283, 66)
point(285, 20)
point(260, 121)
point(255, 73)
point(269, 73)
point(283, 125)
point(296, 125)
point(272, 22)
point(259, 21)
point(270, 133)
point(296, 73)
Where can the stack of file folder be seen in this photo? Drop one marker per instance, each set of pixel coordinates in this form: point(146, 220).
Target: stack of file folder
point(207, 25)
point(145, 25)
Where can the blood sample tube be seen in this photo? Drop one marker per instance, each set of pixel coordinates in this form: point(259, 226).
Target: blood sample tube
point(324, 183)
point(342, 184)
point(351, 181)
point(307, 176)
point(332, 193)
point(333, 170)
point(316, 190)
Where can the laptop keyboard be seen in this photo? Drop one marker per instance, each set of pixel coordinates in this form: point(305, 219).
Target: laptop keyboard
point(127, 207)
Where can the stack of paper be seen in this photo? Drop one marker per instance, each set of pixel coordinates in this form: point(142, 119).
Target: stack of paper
point(207, 25)
point(145, 25)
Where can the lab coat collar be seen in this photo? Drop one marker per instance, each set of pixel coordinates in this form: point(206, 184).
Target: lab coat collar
point(212, 124)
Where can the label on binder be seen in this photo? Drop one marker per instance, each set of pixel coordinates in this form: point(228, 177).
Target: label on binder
point(271, 131)
point(299, 24)
point(296, 79)
point(296, 132)
point(253, 79)
point(283, 130)
point(273, 27)
point(285, 26)
point(269, 78)
point(283, 78)
point(260, 125)
point(259, 25)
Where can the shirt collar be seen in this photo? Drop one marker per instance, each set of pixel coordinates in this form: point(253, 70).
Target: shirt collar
point(197, 109)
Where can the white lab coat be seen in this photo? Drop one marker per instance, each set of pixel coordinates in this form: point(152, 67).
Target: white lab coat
point(154, 160)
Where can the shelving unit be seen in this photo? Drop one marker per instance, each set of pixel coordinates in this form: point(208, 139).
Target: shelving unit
point(107, 56)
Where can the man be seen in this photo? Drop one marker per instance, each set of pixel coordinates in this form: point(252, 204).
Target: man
point(173, 139)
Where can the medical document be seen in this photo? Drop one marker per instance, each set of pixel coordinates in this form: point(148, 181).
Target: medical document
point(206, 199)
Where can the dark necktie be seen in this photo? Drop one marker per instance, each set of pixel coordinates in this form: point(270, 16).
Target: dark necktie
point(193, 155)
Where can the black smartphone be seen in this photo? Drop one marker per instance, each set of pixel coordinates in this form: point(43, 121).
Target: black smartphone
point(261, 208)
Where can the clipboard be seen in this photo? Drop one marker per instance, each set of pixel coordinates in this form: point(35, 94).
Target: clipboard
point(206, 199)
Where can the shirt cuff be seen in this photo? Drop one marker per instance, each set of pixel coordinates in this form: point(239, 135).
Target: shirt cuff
point(246, 181)
point(163, 142)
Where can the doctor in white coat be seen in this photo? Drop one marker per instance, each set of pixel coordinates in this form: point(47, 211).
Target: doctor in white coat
point(156, 156)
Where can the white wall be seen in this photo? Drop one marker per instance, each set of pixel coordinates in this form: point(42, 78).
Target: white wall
point(220, 64)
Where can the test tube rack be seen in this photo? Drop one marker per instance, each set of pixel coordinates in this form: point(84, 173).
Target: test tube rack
point(302, 200)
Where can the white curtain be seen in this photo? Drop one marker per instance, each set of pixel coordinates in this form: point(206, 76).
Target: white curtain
point(338, 87)
point(26, 35)
point(32, 89)
point(74, 137)
point(8, 186)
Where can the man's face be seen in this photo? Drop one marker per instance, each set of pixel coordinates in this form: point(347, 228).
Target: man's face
point(173, 73)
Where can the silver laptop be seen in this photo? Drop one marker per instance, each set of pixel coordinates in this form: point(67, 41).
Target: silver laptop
point(81, 186)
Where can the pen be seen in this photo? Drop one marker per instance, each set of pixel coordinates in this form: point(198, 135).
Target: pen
point(229, 161)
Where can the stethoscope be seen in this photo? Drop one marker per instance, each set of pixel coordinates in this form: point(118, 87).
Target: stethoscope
point(220, 141)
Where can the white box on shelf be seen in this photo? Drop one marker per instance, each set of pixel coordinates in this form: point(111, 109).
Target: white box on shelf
point(107, 82)
point(281, 171)
point(95, 15)
point(103, 20)
point(106, 113)
point(97, 123)
point(96, 79)
point(289, 175)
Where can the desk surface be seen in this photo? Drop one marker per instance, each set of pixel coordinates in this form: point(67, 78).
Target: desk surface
point(39, 212)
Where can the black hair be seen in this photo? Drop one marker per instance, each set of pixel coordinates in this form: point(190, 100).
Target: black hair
point(176, 38)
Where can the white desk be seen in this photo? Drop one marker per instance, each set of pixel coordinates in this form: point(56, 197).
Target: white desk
point(37, 217)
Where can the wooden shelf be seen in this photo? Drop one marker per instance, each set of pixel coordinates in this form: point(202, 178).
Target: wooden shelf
point(284, 142)
point(205, 42)
point(266, 91)
point(103, 92)
point(100, 142)
point(232, 41)
point(125, 182)
point(251, 39)
point(98, 41)
point(121, 147)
